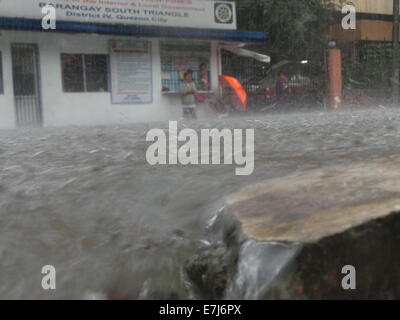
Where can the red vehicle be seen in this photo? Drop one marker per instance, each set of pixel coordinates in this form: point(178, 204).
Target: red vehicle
point(301, 90)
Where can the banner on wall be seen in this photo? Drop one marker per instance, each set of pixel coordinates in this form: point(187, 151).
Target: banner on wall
point(131, 72)
point(172, 13)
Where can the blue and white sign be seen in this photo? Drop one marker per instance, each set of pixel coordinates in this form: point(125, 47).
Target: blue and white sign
point(172, 13)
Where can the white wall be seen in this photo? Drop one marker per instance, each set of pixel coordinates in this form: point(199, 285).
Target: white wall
point(7, 115)
point(60, 108)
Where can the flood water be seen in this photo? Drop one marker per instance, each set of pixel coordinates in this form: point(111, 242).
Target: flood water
point(86, 201)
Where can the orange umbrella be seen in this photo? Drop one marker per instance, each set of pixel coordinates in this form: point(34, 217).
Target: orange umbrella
point(239, 96)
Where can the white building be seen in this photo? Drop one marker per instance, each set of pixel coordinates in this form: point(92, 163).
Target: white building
point(114, 61)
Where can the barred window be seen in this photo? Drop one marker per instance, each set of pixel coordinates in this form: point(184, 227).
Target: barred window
point(177, 57)
point(1, 75)
point(84, 72)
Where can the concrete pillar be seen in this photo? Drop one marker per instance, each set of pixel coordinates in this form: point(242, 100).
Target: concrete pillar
point(334, 60)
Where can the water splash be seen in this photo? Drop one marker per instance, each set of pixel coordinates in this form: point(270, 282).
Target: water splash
point(260, 263)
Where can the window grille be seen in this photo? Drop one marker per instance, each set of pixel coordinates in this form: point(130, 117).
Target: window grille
point(84, 72)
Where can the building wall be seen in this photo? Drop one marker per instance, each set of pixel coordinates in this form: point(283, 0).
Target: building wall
point(372, 30)
point(343, 36)
point(368, 30)
point(60, 108)
point(373, 6)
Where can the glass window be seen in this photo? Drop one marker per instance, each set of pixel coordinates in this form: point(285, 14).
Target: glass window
point(96, 68)
point(72, 72)
point(177, 57)
point(1, 75)
point(84, 72)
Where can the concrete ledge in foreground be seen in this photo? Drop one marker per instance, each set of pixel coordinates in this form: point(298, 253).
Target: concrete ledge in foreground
point(309, 206)
point(326, 219)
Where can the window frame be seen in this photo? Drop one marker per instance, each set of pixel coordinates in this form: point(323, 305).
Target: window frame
point(187, 53)
point(84, 73)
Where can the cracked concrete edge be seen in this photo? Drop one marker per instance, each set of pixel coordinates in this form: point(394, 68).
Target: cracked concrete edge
point(342, 197)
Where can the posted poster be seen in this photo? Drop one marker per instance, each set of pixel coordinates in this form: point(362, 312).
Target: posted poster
point(131, 72)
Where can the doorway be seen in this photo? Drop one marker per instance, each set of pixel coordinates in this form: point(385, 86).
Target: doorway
point(27, 89)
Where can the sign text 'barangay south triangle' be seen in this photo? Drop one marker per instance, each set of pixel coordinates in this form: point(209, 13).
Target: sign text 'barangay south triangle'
point(170, 13)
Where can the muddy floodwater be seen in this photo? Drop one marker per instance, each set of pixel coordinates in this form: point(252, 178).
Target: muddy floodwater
point(86, 201)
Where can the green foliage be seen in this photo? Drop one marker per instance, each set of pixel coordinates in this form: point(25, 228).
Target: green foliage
point(297, 28)
point(370, 67)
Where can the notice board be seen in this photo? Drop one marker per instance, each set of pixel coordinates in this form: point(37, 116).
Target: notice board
point(131, 72)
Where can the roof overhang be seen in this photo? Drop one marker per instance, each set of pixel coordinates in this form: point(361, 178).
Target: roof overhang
point(135, 30)
point(249, 54)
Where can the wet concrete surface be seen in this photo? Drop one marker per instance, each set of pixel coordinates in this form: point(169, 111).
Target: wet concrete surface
point(308, 206)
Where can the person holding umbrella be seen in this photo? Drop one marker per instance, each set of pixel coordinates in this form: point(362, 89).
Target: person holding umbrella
point(233, 93)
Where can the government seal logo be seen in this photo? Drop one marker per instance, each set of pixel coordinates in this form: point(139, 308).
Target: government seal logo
point(223, 12)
